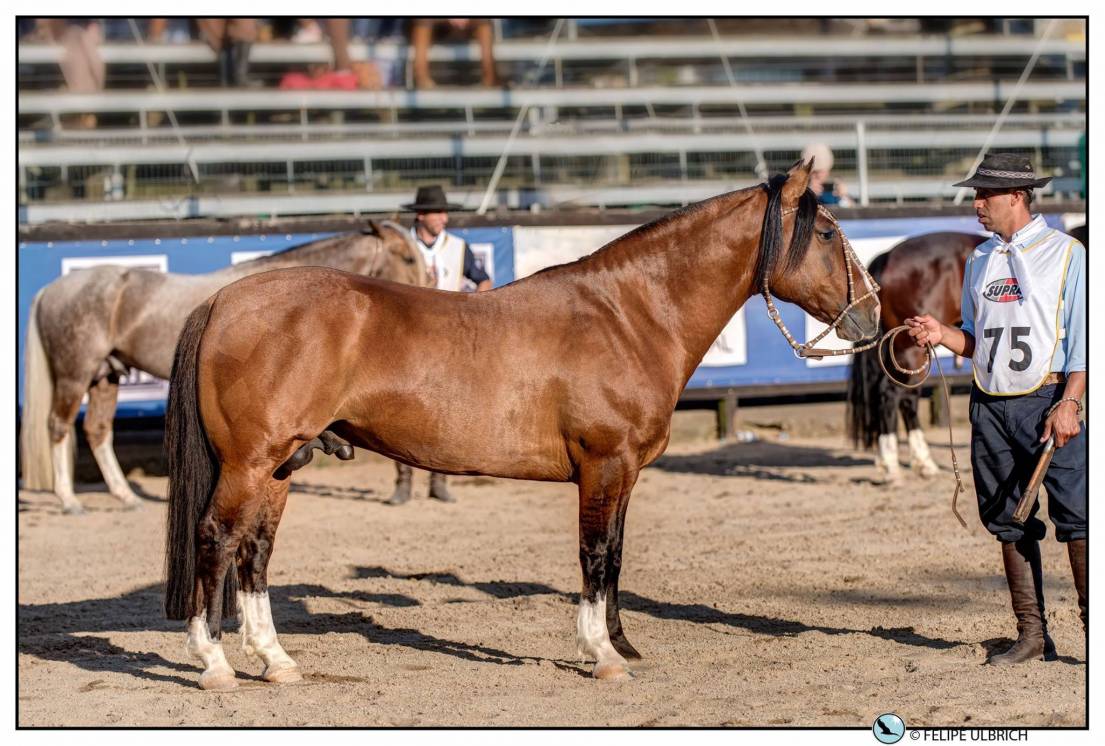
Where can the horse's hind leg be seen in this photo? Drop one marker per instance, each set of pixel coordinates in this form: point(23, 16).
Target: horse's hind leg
point(65, 404)
point(97, 428)
point(603, 487)
point(258, 631)
point(234, 509)
point(888, 430)
point(919, 458)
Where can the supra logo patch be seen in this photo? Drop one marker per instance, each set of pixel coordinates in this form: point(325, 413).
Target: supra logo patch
point(1005, 290)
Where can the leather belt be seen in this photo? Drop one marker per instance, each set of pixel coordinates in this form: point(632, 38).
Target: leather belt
point(1055, 377)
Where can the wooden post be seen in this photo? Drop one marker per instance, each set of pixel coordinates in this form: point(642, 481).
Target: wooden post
point(726, 416)
point(936, 407)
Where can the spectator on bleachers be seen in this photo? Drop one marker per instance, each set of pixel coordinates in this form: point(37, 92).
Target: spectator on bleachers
point(424, 31)
point(345, 74)
point(81, 64)
point(231, 39)
point(828, 192)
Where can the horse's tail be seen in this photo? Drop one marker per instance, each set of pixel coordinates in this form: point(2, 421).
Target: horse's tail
point(193, 473)
point(865, 393)
point(35, 457)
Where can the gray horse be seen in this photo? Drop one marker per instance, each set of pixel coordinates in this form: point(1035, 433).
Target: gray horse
point(87, 328)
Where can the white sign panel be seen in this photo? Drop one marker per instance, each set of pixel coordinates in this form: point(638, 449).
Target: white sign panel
point(730, 348)
point(237, 257)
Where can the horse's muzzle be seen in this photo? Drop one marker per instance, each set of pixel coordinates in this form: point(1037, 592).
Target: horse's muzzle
point(861, 323)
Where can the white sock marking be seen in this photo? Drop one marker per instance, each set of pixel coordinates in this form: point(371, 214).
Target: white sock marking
point(919, 457)
point(259, 632)
point(592, 635)
point(113, 474)
point(888, 454)
point(203, 647)
point(63, 475)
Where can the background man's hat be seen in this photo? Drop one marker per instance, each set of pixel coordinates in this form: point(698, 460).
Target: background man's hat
point(1004, 171)
point(431, 199)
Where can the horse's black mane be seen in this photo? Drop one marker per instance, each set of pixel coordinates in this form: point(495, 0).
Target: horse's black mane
point(771, 238)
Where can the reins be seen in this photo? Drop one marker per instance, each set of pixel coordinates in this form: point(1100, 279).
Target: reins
point(808, 350)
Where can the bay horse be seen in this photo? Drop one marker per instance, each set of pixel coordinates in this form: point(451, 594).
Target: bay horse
point(87, 328)
point(922, 274)
point(569, 375)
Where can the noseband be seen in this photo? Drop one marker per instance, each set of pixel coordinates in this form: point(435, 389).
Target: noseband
point(808, 350)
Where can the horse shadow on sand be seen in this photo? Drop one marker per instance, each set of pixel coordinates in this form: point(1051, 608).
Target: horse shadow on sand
point(77, 632)
point(758, 460)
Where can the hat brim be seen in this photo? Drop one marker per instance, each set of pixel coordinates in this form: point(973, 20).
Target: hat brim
point(994, 182)
point(431, 207)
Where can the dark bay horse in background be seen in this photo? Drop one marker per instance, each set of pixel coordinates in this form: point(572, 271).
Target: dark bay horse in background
point(87, 328)
point(922, 274)
point(570, 375)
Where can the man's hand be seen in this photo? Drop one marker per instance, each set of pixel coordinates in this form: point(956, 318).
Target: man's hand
point(1062, 423)
point(925, 330)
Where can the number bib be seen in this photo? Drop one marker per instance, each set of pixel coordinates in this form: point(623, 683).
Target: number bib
point(1016, 338)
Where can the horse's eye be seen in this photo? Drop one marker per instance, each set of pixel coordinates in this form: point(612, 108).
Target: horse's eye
point(408, 259)
point(827, 235)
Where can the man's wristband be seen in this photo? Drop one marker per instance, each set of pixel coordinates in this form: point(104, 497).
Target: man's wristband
point(1077, 403)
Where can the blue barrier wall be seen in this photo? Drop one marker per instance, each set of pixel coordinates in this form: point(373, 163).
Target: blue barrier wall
point(41, 263)
point(769, 360)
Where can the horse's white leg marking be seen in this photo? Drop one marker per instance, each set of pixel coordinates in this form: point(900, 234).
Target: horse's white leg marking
point(259, 638)
point(888, 456)
point(116, 481)
point(63, 476)
point(217, 673)
point(593, 639)
point(919, 458)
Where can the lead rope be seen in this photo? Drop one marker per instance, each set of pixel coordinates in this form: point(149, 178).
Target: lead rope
point(808, 350)
point(923, 371)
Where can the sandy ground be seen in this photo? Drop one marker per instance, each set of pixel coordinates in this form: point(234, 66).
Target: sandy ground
point(766, 583)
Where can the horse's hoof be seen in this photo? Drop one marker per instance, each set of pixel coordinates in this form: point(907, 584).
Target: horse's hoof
point(612, 671)
point(286, 675)
point(131, 503)
point(218, 681)
point(74, 509)
point(345, 453)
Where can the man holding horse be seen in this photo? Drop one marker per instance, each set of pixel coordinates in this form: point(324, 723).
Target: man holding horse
point(1024, 328)
point(450, 261)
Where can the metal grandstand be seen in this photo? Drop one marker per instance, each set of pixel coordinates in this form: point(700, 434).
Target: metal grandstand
point(610, 122)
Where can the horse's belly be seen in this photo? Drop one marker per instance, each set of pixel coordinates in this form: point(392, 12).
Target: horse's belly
point(459, 439)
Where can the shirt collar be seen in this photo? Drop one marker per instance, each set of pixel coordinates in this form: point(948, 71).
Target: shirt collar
point(432, 247)
point(1027, 234)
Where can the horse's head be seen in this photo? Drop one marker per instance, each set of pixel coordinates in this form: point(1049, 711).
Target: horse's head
point(400, 260)
point(819, 270)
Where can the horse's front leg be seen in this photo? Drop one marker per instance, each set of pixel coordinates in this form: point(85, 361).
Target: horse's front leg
point(604, 488)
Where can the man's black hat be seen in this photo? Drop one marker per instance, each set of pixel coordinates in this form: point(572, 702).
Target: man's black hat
point(1004, 171)
point(431, 199)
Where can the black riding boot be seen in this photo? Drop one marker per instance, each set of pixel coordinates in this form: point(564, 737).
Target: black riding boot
point(226, 66)
point(239, 54)
point(1024, 573)
point(1076, 551)
point(402, 485)
point(438, 490)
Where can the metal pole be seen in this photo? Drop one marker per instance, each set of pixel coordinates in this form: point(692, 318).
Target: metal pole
point(761, 164)
point(501, 165)
point(861, 162)
point(1006, 109)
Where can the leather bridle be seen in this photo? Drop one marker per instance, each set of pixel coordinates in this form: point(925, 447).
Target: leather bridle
point(808, 350)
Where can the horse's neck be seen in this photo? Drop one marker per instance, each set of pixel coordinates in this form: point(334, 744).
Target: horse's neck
point(699, 268)
point(345, 255)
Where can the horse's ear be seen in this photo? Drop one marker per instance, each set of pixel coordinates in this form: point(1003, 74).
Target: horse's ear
point(371, 227)
point(798, 180)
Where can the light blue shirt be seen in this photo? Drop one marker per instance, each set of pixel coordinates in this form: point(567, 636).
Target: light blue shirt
point(1070, 356)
